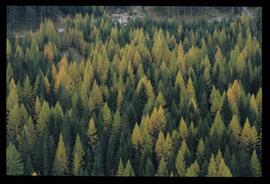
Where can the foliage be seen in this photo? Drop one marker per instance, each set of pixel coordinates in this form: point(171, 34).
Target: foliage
point(155, 97)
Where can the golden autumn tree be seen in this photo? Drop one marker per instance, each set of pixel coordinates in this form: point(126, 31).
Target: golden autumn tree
point(63, 78)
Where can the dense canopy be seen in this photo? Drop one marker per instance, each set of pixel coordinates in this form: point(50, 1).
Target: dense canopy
point(150, 98)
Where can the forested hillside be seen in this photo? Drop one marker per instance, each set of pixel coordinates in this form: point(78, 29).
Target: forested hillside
point(152, 98)
point(29, 17)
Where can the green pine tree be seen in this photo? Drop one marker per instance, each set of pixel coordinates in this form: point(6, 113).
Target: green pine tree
point(255, 166)
point(78, 156)
point(14, 163)
point(121, 169)
point(180, 164)
point(149, 168)
point(60, 162)
point(162, 168)
point(129, 170)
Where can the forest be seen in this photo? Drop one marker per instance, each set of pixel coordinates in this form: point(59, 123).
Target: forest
point(151, 98)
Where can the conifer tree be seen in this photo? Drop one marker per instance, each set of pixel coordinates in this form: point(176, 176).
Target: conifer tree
point(149, 168)
point(223, 169)
point(78, 155)
point(116, 123)
point(191, 171)
point(92, 134)
point(190, 88)
point(162, 168)
point(14, 161)
point(217, 130)
point(121, 169)
point(27, 93)
point(200, 151)
point(259, 100)
point(184, 148)
point(43, 117)
point(129, 170)
point(216, 100)
point(255, 166)
point(234, 128)
point(98, 165)
point(157, 121)
point(25, 150)
point(13, 97)
point(180, 164)
point(197, 167)
point(14, 122)
point(167, 148)
point(106, 117)
point(96, 95)
point(9, 73)
point(183, 129)
point(179, 81)
point(159, 148)
point(60, 162)
point(160, 100)
point(212, 167)
point(246, 133)
point(37, 108)
point(119, 99)
point(136, 137)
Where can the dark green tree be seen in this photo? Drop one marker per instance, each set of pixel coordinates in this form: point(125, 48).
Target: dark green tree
point(14, 161)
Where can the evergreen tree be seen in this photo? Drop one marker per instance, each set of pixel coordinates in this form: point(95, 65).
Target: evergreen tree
point(149, 168)
point(96, 96)
point(167, 147)
point(78, 155)
point(212, 167)
point(255, 166)
point(185, 150)
point(217, 131)
point(200, 151)
point(106, 117)
point(162, 168)
point(223, 169)
point(216, 100)
point(43, 117)
point(234, 128)
point(183, 129)
point(13, 97)
point(136, 137)
point(60, 162)
point(13, 123)
point(92, 134)
point(246, 133)
point(119, 99)
point(25, 148)
point(9, 74)
point(14, 161)
point(180, 164)
point(160, 145)
point(121, 169)
point(179, 81)
point(129, 170)
point(98, 165)
point(37, 108)
point(191, 171)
